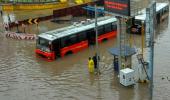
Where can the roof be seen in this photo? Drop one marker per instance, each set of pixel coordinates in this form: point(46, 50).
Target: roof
point(73, 29)
point(128, 51)
point(159, 6)
point(127, 70)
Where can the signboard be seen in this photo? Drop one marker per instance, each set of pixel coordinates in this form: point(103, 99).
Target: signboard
point(33, 21)
point(120, 7)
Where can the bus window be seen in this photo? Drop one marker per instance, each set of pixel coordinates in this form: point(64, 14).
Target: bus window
point(100, 30)
point(91, 34)
point(68, 40)
point(114, 26)
point(63, 42)
point(43, 42)
point(138, 22)
point(72, 39)
point(82, 36)
point(44, 45)
point(108, 28)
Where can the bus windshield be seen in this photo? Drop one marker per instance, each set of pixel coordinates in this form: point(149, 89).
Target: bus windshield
point(43, 44)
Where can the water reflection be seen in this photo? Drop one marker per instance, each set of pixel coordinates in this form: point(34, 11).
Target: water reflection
point(91, 79)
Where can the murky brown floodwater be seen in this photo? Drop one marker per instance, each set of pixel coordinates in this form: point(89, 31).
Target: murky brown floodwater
point(25, 77)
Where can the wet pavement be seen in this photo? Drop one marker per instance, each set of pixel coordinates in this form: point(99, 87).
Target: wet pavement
point(25, 77)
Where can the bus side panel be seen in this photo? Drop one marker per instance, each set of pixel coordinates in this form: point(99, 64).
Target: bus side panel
point(107, 36)
point(74, 48)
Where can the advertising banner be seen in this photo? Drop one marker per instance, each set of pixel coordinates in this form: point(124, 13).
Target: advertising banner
point(120, 7)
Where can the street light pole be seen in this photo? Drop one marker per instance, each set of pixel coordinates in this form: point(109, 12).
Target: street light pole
point(150, 31)
point(119, 43)
point(96, 29)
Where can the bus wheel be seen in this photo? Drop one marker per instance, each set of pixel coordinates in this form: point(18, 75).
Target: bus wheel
point(105, 39)
point(69, 52)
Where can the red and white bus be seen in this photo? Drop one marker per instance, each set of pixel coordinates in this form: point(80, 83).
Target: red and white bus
point(74, 38)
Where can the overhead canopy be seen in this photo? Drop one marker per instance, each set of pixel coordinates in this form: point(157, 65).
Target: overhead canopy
point(128, 51)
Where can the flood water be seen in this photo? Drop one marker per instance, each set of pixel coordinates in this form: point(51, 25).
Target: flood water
point(25, 77)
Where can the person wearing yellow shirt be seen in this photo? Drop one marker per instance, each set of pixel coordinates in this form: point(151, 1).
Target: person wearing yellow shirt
point(91, 65)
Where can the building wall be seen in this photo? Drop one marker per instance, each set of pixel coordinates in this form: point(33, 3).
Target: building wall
point(29, 1)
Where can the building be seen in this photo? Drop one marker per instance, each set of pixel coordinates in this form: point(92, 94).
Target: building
point(26, 1)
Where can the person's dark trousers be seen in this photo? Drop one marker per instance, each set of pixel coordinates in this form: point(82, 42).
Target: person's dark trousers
point(95, 62)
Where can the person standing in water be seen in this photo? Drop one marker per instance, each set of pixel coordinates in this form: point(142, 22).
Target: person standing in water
point(91, 65)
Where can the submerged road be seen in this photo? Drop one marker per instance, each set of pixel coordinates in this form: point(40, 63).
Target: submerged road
point(25, 77)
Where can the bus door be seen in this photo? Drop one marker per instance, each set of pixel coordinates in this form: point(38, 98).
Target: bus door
point(82, 36)
point(56, 45)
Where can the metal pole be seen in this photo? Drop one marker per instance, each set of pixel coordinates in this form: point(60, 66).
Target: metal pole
point(96, 29)
point(142, 31)
point(153, 8)
point(150, 32)
point(119, 42)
